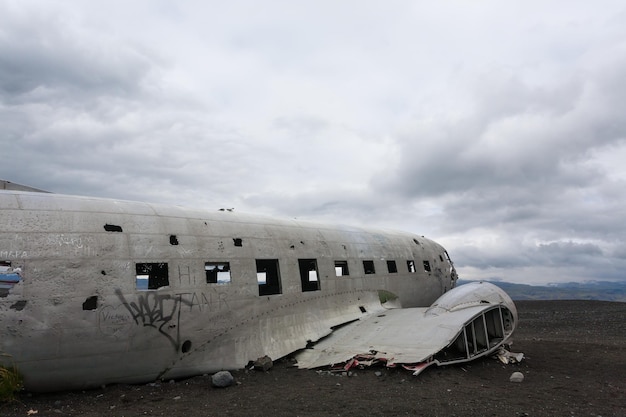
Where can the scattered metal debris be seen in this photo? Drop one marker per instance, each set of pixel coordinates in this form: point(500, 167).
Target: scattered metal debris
point(506, 357)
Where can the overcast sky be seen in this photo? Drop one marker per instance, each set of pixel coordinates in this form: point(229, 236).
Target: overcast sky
point(497, 128)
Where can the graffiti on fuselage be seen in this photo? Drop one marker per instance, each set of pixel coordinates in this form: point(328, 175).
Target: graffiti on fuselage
point(156, 310)
point(160, 311)
point(71, 244)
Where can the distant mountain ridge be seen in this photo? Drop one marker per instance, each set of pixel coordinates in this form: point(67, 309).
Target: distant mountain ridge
point(596, 290)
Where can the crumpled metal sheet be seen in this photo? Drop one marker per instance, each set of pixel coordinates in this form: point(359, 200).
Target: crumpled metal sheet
point(506, 357)
point(416, 338)
point(404, 336)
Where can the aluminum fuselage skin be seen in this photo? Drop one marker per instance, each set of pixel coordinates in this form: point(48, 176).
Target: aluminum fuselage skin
point(77, 317)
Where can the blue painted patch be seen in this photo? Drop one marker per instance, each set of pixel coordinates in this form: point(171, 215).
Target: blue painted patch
point(9, 280)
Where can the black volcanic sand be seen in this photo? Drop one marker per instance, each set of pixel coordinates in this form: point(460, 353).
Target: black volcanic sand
point(575, 365)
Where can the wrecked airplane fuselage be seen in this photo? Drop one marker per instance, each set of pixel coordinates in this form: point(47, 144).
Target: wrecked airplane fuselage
point(96, 291)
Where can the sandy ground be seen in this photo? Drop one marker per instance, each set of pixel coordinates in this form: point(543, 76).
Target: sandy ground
point(575, 365)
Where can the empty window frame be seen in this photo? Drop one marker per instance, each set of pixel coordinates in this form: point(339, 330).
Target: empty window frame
point(410, 265)
point(268, 276)
point(341, 268)
point(217, 272)
point(308, 274)
point(482, 333)
point(151, 275)
point(9, 277)
point(427, 266)
point(392, 267)
point(368, 267)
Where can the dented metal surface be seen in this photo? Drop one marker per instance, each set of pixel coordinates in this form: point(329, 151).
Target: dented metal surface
point(114, 291)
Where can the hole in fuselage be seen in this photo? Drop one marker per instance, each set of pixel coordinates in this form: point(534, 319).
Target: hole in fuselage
point(91, 303)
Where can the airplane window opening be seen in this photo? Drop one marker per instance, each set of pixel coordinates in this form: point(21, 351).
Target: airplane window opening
point(493, 326)
point(308, 274)
point(186, 347)
point(471, 339)
point(392, 267)
point(368, 267)
point(9, 277)
point(173, 240)
point(507, 320)
point(268, 276)
point(217, 272)
point(410, 264)
point(151, 276)
point(427, 266)
point(237, 241)
point(480, 330)
point(441, 258)
point(341, 268)
point(363, 310)
point(457, 350)
point(91, 303)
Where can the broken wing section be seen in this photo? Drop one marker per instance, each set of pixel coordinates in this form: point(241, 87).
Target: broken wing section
point(468, 322)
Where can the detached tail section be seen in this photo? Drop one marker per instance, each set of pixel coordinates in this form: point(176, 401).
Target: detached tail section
point(466, 323)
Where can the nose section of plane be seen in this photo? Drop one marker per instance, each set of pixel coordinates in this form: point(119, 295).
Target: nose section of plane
point(453, 276)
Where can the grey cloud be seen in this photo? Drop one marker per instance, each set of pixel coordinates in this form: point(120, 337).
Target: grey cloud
point(83, 103)
point(620, 252)
point(518, 131)
point(322, 203)
point(302, 126)
point(495, 150)
point(499, 94)
point(51, 52)
point(568, 255)
point(494, 147)
point(477, 257)
point(568, 252)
